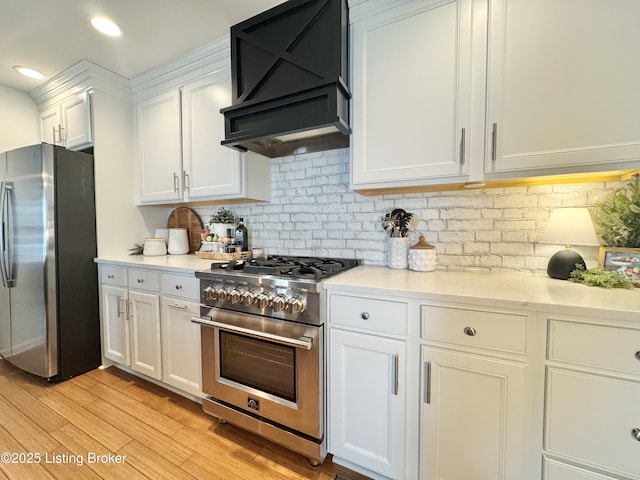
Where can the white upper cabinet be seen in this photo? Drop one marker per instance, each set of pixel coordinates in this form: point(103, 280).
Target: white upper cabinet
point(449, 92)
point(179, 130)
point(413, 103)
point(563, 82)
point(69, 123)
point(159, 148)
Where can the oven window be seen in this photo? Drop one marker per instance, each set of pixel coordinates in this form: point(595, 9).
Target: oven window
point(260, 364)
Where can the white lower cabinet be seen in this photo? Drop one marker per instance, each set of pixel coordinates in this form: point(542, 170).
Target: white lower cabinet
point(367, 402)
point(181, 345)
point(115, 325)
point(367, 365)
point(471, 417)
point(592, 414)
point(146, 324)
point(144, 318)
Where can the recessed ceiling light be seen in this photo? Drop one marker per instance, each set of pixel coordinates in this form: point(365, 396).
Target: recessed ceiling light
point(106, 26)
point(28, 72)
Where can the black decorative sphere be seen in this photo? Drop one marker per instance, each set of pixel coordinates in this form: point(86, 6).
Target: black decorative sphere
point(562, 263)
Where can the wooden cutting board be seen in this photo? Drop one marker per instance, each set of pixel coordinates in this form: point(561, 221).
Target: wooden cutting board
point(184, 217)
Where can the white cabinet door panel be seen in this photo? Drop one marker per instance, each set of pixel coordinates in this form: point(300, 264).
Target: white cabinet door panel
point(563, 83)
point(144, 315)
point(590, 418)
point(115, 325)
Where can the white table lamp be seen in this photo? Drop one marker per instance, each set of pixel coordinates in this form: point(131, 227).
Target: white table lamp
point(568, 226)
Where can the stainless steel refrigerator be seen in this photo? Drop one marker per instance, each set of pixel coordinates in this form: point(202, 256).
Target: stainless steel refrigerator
point(49, 314)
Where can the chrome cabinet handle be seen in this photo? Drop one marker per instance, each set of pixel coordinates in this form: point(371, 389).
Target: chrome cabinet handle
point(110, 276)
point(176, 183)
point(494, 142)
point(176, 305)
point(635, 433)
point(462, 147)
point(119, 312)
point(470, 331)
point(186, 183)
point(178, 287)
point(427, 383)
point(365, 316)
point(637, 355)
point(394, 359)
point(140, 280)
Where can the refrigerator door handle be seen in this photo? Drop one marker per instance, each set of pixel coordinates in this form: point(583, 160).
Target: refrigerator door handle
point(3, 232)
point(7, 235)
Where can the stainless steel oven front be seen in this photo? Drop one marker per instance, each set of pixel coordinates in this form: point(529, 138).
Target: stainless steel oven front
point(265, 375)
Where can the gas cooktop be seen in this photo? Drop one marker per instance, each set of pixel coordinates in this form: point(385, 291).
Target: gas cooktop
point(308, 268)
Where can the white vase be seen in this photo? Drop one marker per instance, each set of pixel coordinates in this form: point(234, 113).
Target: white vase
point(397, 251)
point(178, 241)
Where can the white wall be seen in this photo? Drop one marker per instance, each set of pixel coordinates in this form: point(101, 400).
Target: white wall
point(119, 222)
point(19, 119)
point(313, 212)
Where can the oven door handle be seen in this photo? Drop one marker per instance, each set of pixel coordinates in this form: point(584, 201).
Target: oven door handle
point(302, 342)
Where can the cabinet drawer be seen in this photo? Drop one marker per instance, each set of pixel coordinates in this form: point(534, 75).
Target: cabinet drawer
point(559, 471)
point(612, 348)
point(590, 418)
point(180, 286)
point(113, 275)
point(144, 280)
point(477, 328)
point(370, 314)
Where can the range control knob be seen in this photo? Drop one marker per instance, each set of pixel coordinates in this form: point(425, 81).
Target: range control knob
point(210, 293)
point(223, 294)
point(296, 305)
point(236, 296)
point(250, 297)
point(264, 299)
point(280, 303)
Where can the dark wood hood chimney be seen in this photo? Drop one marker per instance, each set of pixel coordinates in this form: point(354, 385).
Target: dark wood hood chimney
point(290, 91)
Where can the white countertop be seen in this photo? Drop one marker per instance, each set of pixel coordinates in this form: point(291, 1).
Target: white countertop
point(178, 263)
point(533, 292)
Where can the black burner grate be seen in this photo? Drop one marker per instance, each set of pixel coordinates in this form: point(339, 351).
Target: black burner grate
point(313, 268)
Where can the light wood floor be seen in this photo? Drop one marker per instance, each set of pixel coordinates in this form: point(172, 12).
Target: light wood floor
point(159, 435)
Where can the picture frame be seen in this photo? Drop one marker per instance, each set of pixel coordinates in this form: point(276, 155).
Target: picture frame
point(623, 260)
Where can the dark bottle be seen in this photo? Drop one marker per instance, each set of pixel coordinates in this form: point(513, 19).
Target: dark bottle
point(242, 236)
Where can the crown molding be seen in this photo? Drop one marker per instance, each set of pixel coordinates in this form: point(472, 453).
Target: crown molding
point(81, 76)
point(207, 59)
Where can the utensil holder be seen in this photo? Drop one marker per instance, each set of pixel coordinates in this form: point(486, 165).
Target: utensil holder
point(397, 251)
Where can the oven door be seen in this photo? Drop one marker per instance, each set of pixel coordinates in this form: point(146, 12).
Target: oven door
point(266, 367)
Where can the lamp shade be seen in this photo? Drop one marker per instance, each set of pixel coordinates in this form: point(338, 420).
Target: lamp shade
point(570, 226)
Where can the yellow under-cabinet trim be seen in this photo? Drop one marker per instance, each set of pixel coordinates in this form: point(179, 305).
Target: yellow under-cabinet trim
point(615, 176)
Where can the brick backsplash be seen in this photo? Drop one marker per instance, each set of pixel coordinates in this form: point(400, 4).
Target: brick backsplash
point(313, 212)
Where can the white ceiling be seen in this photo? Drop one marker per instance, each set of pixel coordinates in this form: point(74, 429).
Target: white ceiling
point(52, 35)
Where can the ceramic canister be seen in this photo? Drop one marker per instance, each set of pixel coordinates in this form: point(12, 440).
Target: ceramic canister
point(422, 256)
point(154, 247)
point(178, 241)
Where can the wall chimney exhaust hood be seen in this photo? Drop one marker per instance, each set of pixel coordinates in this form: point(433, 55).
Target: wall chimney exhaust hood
point(289, 68)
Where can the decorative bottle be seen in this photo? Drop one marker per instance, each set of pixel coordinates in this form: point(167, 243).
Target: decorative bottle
point(242, 235)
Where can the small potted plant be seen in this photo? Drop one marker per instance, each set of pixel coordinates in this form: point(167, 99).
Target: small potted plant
point(618, 217)
point(221, 222)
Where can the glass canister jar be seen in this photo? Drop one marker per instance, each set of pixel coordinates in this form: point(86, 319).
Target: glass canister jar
point(422, 256)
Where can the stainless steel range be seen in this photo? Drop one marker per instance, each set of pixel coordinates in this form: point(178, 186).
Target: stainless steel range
point(263, 347)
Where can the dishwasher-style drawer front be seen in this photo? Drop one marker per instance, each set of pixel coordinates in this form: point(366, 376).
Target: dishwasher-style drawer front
point(476, 328)
point(610, 348)
point(594, 419)
point(144, 280)
point(368, 313)
point(180, 286)
point(113, 275)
